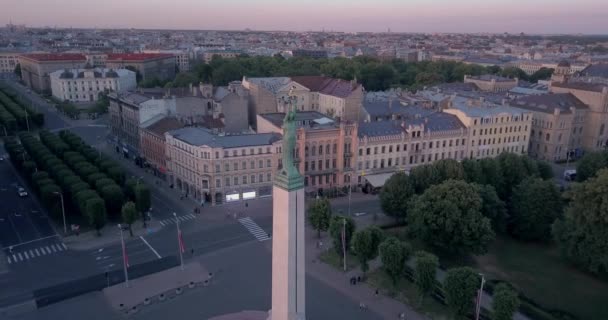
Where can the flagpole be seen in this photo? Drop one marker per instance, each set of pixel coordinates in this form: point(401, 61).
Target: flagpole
point(124, 256)
point(180, 245)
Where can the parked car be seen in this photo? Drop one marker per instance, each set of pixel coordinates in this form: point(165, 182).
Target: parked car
point(570, 175)
point(21, 192)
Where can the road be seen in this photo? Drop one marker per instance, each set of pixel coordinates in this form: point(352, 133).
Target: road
point(52, 119)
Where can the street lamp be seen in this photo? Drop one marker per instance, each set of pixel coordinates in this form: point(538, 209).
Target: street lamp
point(479, 295)
point(125, 262)
point(65, 226)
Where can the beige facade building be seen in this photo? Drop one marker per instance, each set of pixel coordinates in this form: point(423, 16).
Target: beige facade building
point(595, 96)
point(557, 125)
point(37, 67)
point(8, 62)
point(218, 168)
point(85, 85)
point(224, 54)
point(324, 151)
point(492, 83)
point(386, 147)
point(492, 129)
point(182, 58)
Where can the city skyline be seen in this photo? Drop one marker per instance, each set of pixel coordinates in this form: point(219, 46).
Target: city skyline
point(468, 16)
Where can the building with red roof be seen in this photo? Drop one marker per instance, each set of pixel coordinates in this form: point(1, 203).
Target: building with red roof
point(36, 67)
point(149, 66)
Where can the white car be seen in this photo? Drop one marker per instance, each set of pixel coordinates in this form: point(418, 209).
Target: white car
point(570, 175)
point(22, 192)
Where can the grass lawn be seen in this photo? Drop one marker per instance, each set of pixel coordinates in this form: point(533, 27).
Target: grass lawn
point(333, 259)
point(537, 270)
point(405, 292)
point(541, 274)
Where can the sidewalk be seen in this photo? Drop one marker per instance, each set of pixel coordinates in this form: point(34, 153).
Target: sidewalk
point(384, 306)
point(109, 235)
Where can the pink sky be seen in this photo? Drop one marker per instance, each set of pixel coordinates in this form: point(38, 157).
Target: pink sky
point(532, 16)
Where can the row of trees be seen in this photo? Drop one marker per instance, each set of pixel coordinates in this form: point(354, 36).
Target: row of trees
point(374, 74)
point(15, 114)
point(458, 288)
point(92, 185)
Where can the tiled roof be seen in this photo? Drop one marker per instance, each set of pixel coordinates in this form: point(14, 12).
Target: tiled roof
point(330, 86)
point(586, 86)
point(204, 137)
point(438, 121)
point(55, 56)
point(549, 102)
point(490, 77)
point(272, 84)
point(302, 117)
point(162, 124)
point(137, 56)
point(596, 70)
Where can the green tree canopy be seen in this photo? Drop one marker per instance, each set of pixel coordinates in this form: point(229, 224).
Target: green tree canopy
point(365, 245)
point(336, 230)
point(425, 271)
point(449, 216)
point(460, 286)
point(396, 195)
point(394, 254)
point(492, 207)
point(129, 215)
point(96, 213)
point(535, 205)
point(590, 164)
point(581, 234)
point(504, 302)
point(319, 215)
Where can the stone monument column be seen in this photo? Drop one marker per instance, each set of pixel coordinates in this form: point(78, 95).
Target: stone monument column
point(288, 264)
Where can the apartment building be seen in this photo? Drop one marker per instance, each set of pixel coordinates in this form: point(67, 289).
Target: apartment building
point(335, 98)
point(182, 58)
point(224, 54)
point(557, 125)
point(152, 142)
point(385, 147)
point(324, 151)
point(222, 168)
point(492, 83)
point(85, 85)
point(8, 62)
point(149, 66)
point(492, 128)
point(595, 96)
point(37, 67)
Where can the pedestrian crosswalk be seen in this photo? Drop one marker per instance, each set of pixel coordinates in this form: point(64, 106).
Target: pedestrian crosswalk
point(183, 218)
point(254, 229)
point(20, 255)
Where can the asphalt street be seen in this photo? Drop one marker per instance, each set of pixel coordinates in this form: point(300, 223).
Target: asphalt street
point(241, 282)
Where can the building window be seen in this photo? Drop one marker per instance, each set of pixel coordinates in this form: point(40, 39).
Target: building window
point(367, 151)
point(236, 181)
point(235, 166)
point(268, 177)
point(320, 164)
point(218, 183)
point(260, 164)
point(244, 179)
point(261, 177)
point(227, 182)
point(226, 167)
point(268, 163)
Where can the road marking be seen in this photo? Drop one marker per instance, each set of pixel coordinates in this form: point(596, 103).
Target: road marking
point(9, 260)
point(37, 252)
point(15, 258)
point(45, 250)
point(254, 229)
point(58, 247)
point(64, 246)
point(53, 248)
point(162, 223)
point(20, 257)
point(22, 243)
point(26, 256)
point(31, 253)
point(146, 242)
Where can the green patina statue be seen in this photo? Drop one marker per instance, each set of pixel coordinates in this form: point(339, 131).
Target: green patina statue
point(288, 177)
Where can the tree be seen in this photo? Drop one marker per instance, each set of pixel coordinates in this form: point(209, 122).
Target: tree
point(101, 183)
point(142, 200)
point(336, 230)
point(319, 215)
point(513, 170)
point(396, 195)
point(394, 254)
point(581, 233)
point(472, 171)
point(504, 302)
point(514, 72)
point(425, 271)
point(129, 215)
point(114, 198)
point(184, 79)
point(535, 205)
point(492, 207)
point(460, 286)
point(17, 70)
point(545, 170)
point(590, 164)
point(448, 216)
point(541, 74)
point(96, 213)
point(365, 245)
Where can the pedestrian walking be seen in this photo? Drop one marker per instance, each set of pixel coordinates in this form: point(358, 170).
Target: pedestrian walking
point(246, 204)
point(358, 278)
point(376, 293)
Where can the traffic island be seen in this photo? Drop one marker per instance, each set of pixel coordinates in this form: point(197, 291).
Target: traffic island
point(155, 287)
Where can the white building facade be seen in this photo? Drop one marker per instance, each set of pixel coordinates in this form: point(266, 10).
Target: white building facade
point(85, 85)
